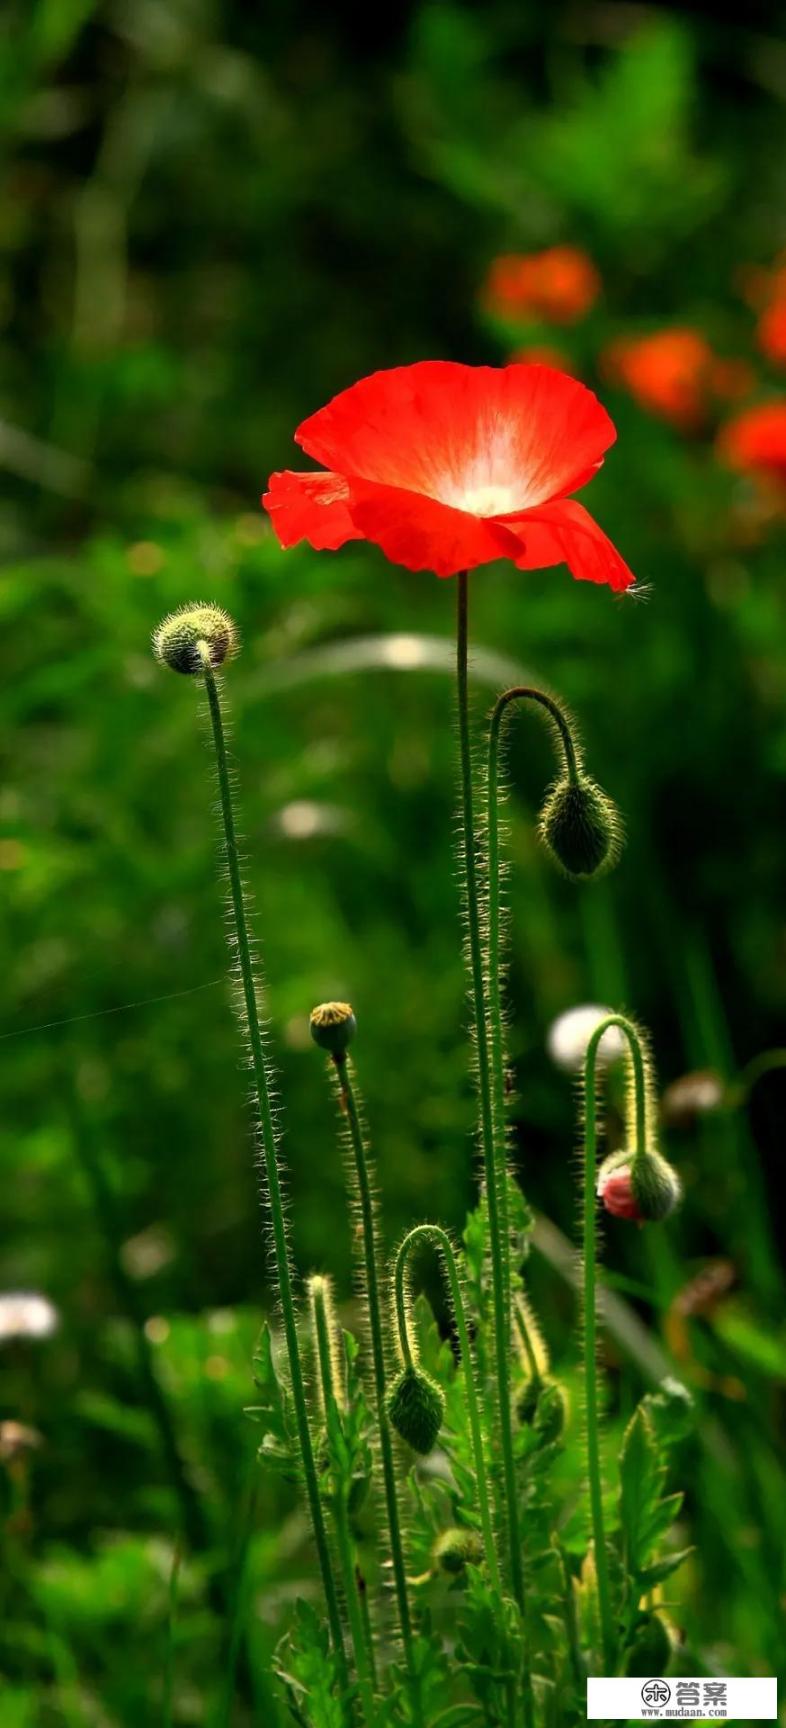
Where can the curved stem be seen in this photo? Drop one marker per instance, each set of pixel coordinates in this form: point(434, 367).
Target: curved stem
point(524, 1334)
point(495, 1179)
point(559, 718)
point(340, 1506)
point(590, 1306)
point(270, 1158)
point(433, 1233)
point(767, 1062)
point(378, 1361)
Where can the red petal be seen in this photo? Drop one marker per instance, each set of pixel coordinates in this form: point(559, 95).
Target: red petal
point(422, 534)
point(310, 507)
point(565, 533)
point(452, 432)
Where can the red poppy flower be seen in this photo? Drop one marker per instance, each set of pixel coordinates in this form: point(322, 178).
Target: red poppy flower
point(558, 285)
point(755, 441)
point(446, 467)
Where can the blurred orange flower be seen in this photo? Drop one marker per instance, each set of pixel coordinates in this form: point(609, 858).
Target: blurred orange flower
point(755, 441)
point(674, 373)
point(558, 285)
point(771, 330)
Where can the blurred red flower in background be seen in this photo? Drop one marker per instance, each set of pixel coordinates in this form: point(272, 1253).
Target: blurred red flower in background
point(771, 331)
point(675, 374)
point(558, 286)
point(754, 442)
point(446, 467)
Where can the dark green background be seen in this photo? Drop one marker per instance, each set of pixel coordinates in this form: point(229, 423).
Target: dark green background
point(213, 217)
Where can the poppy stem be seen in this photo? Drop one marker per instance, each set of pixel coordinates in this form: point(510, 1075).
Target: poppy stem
point(360, 1629)
point(589, 1304)
point(494, 1177)
point(368, 1235)
point(561, 723)
point(439, 1238)
point(267, 1135)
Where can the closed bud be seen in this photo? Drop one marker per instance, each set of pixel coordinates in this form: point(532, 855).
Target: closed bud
point(527, 1400)
point(651, 1650)
point(551, 1414)
point(416, 1406)
point(542, 1405)
point(187, 639)
point(580, 828)
point(333, 1027)
point(643, 1187)
point(456, 1549)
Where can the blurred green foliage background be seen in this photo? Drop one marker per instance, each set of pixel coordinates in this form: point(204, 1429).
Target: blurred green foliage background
point(213, 216)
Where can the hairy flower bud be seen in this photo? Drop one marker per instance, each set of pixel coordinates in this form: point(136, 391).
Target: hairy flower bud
point(642, 1187)
point(580, 827)
point(333, 1027)
point(416, 1406)
point(455, 1549)
point(651, 1650)
point(181, 638)
point(542, 1405)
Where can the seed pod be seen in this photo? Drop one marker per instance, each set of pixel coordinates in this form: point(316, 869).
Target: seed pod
point(641, 1187)
point(416, 1406)
point(180, 641)
point(333, 1027)
point(580, 827)
point(456, 1549)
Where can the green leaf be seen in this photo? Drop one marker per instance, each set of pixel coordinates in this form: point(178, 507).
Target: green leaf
point(306, 1667)
point(278, 1448)
point(645, 1513)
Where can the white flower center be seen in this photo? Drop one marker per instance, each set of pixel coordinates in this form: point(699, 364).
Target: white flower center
point(488, 500)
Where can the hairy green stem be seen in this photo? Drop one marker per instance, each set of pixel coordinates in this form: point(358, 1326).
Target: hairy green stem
point(591, 1412)
point(434, 1234)
point(495, 1179)
point(368, 1232)
point(270, 1157)
point(519, 693)
point(340, 1506)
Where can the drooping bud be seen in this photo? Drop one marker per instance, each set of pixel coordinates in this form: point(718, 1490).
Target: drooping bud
point(527, 1399)
point(642, 1187)
point(651, 1650)
point(416, 1406)
point(333, 1027)
point(580, 827)
point(184, 638)
point(542, 1405)
point(456, 1549)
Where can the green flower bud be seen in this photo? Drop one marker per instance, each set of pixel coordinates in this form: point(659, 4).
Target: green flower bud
point(416, 1406)
point(542, 1405)
point(640, 1186)
point(179, 640)
point(551, 1414)
point(527, 1400)
point(456, 1549)
point(580, 828)
point(651, 1650)
point(333, 1026)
